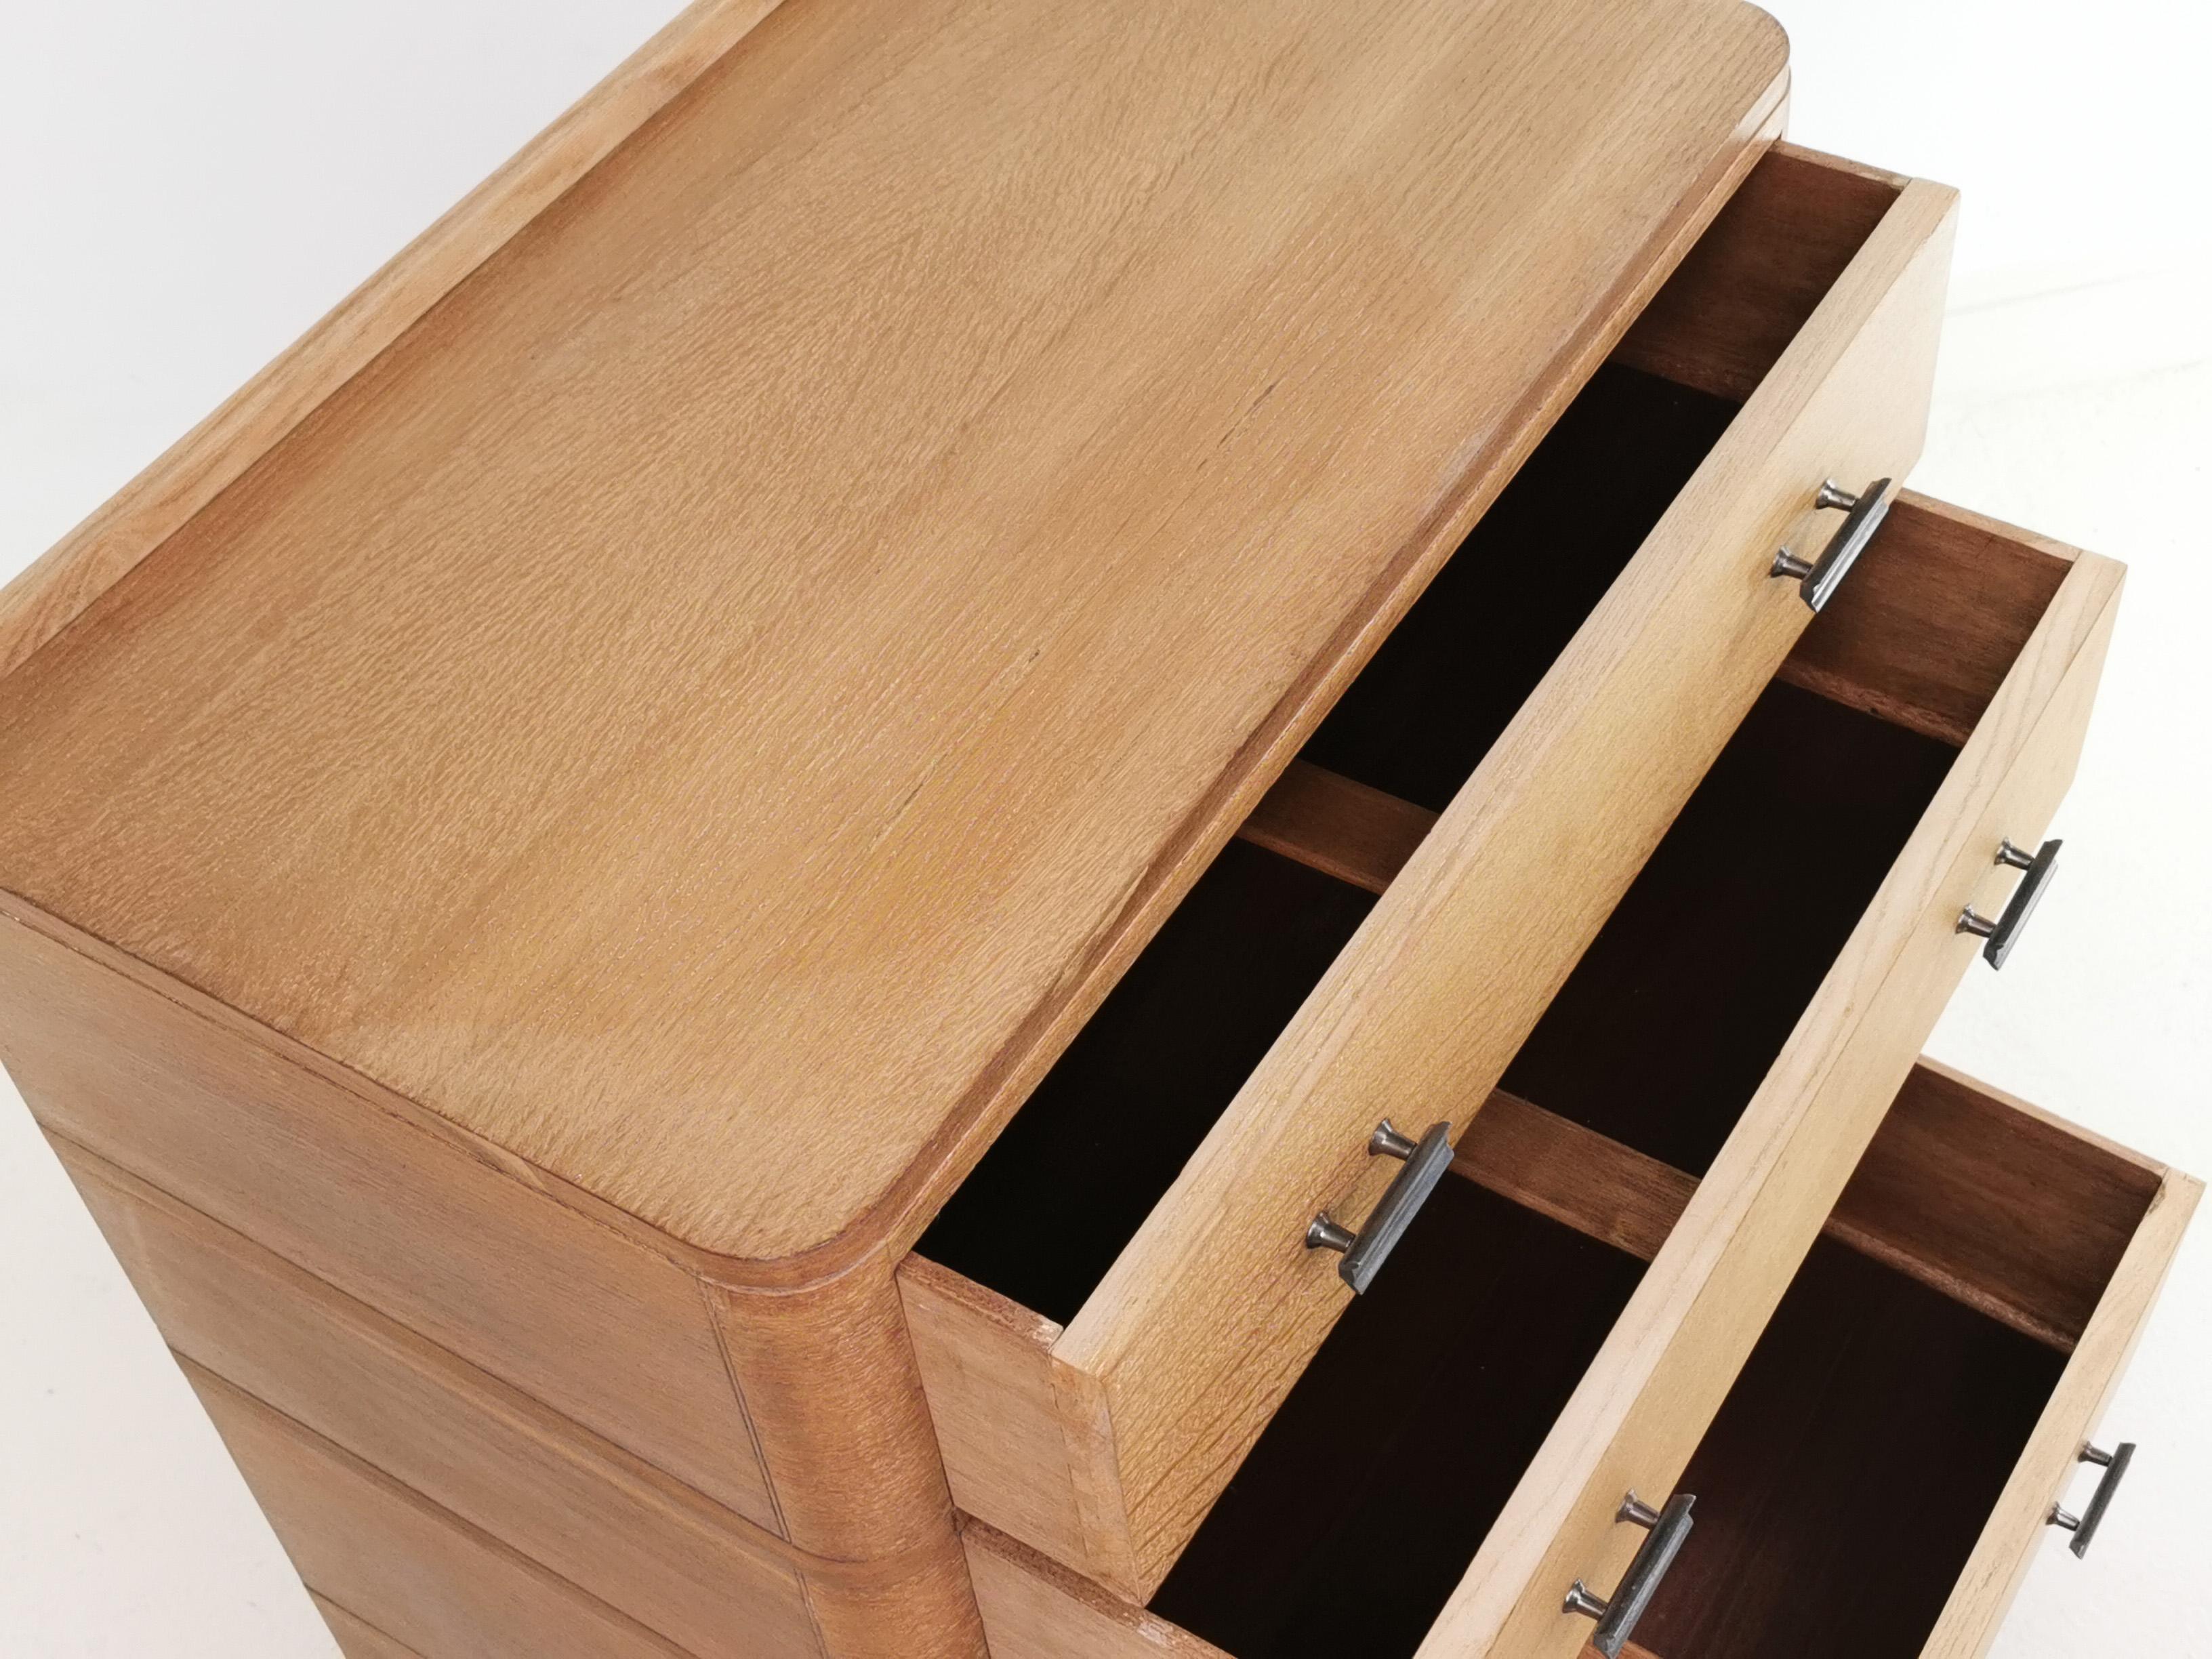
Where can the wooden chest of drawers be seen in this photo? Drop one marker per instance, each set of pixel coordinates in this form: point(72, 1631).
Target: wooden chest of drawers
point(1093, 831)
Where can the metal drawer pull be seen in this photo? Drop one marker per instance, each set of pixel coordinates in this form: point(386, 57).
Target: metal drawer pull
point(1364, 1251)
point(2084, 1525)
point(2001, 935)
point(1817, 582)
point(1617, 1618)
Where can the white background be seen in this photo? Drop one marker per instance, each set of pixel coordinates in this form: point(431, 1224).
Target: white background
point(187, 188)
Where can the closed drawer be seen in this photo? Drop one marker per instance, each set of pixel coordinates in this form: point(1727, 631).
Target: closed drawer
point(647, 1547)
point(1109, 1310)
point(1881, 1471)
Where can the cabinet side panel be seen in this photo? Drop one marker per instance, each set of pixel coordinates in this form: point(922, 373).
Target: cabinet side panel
point(356, 1637)
point(511, 1279)
point(643, 1543)
point(418, 1574)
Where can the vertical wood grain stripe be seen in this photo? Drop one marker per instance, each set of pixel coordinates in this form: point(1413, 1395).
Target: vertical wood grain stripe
point(56, 588)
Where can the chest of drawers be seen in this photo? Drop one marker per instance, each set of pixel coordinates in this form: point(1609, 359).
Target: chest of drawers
point(1091, 831)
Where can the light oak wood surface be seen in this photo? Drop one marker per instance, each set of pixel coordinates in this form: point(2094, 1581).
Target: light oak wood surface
point(712, 1582)
point(1337, 825)
point(1207, 1318)
point(800, 1411)
point(2000, 1207)
point(2020, 1521)
point(357, 1638)
point(429, 1581)
point(54, 590)
point(673, 712)
point(336, 1176)
point(1662, 1374)
point(1033, 1608)
point(995, 1394)
point(2016, 1195)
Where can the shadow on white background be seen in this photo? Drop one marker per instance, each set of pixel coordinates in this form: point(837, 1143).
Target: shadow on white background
point(190, 187)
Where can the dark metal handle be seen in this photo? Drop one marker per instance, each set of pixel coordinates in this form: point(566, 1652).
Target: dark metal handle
point(2084, 1525)
point(1863, 515)
point(1365, 1251)
point(1999, 937)
point(1616, 1619)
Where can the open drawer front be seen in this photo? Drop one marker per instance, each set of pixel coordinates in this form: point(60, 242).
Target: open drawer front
point(1872, 1488)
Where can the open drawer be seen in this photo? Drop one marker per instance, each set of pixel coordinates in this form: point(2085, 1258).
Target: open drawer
point(1872, 1488)
point(1109, 1310)
point(1755, 998)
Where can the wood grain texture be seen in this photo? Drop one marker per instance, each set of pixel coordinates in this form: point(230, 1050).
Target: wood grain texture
point(1033, 1608)
point(712, 1582)
point(357, 1638)
point(2007, 1544)
point(430, 1581)
point(708, 762)
point(1557, 1168)
point(1928, 624)
point(988, 1367)
point(2000, 1207)
point(1337, 825)
point(1663, 1374)
point(1992, 1201)
point(330, 1174)
point(333, 1174)
point(1207, 1318)
point(1758, 273)
point(51, 594)
point(836, 1407)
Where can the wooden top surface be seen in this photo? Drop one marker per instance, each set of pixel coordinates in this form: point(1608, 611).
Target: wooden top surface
point(699, 706)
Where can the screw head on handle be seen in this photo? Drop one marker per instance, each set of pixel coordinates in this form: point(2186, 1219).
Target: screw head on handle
point(1389, 1141)
point(1325, 1233)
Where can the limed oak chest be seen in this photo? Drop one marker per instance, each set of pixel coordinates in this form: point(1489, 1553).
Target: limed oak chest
point(1087, 832)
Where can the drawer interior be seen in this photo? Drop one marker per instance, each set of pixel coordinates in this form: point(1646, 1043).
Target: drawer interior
point(1132, 1096)
point(1840, 1490)
point(1844, 1484)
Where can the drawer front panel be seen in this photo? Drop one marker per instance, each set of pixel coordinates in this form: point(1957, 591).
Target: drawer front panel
point(411, 1570)
point(1643, 1406)
point(613, 1526)
point(1142, 1405)
point(2020, 1521)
